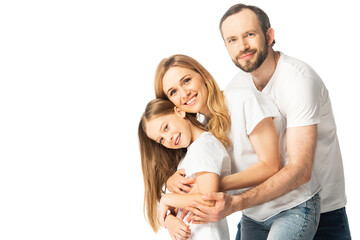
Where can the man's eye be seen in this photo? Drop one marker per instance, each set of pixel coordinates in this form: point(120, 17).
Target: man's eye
point(251, 35)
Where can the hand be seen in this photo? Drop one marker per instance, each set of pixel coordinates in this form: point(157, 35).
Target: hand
point(177, 228)
point(177, 183)
point(205, 214)
point(162, 212)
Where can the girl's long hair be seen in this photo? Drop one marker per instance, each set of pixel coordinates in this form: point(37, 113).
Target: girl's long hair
point(158, 163)
point(219, 122)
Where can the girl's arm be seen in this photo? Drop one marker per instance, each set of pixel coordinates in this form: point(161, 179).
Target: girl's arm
point(264, 140)
point(206, 182)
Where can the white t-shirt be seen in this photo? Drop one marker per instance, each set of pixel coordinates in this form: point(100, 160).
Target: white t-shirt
point(248, 108)
point(207, 154)
point(303, 100)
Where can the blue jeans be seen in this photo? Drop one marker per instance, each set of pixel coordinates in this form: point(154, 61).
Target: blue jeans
point(333, 225)
point(299, 222)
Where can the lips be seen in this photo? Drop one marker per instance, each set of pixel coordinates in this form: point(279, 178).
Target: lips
point(177, 140)
point(191, 100)
point(247, 56)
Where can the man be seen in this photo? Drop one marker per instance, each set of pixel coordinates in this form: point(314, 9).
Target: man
point(311, 137)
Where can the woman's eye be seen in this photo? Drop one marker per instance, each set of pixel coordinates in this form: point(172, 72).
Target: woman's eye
point(166, 128)
point(161, 140)
point(187, 80)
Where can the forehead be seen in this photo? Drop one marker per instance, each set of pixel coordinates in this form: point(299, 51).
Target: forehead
point(153, 126)
point(174, 74)
point(241, 22)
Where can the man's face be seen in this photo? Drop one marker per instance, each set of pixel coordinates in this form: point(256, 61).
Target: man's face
point(244, 40)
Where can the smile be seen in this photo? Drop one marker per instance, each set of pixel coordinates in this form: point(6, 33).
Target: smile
point(247, 56)
point(177, 140)
point(191, 101)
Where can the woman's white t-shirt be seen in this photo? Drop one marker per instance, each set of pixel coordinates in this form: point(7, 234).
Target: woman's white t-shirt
point(207, 154)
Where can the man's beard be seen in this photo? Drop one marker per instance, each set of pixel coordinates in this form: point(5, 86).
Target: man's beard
point(248, 66)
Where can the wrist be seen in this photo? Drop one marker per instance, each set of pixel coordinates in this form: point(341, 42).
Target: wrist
point(237, 203)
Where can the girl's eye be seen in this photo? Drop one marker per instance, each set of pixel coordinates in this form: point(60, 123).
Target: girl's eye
point(161, 140)
point(166, 128)
point(187, 80)
point(172, 92)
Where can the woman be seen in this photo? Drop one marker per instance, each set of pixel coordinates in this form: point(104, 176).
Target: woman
point(253, 129)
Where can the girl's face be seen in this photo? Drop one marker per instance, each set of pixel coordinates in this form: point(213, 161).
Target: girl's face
point(171, 130)
point(186, 89)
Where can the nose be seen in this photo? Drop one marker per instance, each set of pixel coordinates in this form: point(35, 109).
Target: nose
point(168, 137)
point(243, 45)
point(185, 93)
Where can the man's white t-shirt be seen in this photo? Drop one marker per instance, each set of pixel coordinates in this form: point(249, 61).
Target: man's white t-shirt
point(247, 108)
point(303, 100)
point(207, 154)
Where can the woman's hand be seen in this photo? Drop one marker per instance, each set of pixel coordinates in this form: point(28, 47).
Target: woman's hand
point(177, 183)
point(177, 228)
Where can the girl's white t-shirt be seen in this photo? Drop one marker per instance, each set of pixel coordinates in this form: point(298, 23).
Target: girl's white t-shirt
point(248, 108)
point(207, 154)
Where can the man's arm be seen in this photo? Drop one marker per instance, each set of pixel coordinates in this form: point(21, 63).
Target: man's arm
point(301, 144)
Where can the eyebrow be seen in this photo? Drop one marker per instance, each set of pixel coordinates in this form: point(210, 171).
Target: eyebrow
point(167, 92)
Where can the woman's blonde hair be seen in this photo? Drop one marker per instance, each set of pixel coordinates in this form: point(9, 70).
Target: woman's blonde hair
point(219, 122)
point(157, 162)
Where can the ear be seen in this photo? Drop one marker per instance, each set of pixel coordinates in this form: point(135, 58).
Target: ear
point(270, 34)
point(179, 112)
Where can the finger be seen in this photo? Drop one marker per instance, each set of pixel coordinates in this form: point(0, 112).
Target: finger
point(192, 217)
point(199, 222)
point(188, 181)
point(213, 196)
point(185, 188)
point(181, 172)
point(199, 209)
point(183, 214)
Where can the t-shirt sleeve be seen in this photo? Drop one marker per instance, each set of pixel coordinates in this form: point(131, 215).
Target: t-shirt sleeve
point(257, 107)
point(251, 107)
point(207, 156)
point(302, 103)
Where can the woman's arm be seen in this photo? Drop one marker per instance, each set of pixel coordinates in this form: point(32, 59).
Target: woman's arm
point(264, 140)
point(206, 182)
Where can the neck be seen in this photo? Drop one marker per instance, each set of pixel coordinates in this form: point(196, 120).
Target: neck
point(195, 132)
point(263, 74)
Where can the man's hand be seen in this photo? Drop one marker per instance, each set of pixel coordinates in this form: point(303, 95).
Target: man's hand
point(177, 183)
point(205, 214)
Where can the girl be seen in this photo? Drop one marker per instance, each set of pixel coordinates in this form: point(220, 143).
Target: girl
point(166, 133)
point(257, 133)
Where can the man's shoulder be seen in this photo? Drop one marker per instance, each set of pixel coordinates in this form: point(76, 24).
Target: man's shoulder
point(240, 80)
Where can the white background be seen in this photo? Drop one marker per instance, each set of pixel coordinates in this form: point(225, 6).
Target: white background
point(75, 77)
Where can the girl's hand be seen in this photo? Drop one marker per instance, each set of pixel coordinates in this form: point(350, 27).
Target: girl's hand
point(177, 228)
point(177, 183)
point(162, 212)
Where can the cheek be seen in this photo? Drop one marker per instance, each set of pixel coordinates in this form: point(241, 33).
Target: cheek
point(175, 100)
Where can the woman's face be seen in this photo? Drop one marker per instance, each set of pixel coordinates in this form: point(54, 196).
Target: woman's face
point(186, 89)
point(171, 130)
